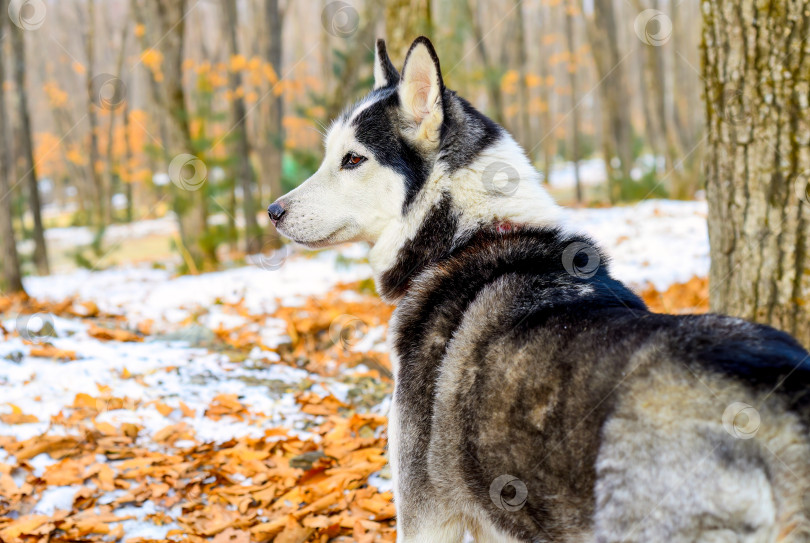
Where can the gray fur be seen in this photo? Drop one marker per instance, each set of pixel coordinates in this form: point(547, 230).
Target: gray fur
point(536, 398)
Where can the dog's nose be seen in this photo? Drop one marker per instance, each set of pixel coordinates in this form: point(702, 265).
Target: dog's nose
point(276, 211)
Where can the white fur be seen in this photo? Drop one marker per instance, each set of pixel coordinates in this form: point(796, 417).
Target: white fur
point(337, 205)
point(420, 92)
point(530, 204)
point(365, 204)
point(379, 73)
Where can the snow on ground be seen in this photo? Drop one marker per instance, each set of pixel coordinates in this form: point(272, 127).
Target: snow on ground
point(656, 241)
point(660, 242)
point(140, 293)
point(74, 236)
point(172, 378)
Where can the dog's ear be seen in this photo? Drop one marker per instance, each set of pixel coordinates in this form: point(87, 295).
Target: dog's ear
point(384, 72)
point(420, 91)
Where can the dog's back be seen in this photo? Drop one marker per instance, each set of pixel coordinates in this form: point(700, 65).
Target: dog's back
point(537, 397)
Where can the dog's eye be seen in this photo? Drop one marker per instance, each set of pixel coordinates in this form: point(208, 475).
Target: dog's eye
point(352, 160)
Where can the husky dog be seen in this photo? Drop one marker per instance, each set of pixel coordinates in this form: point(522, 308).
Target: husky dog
point(536, 398)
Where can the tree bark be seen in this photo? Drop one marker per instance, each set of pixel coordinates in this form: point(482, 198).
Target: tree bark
point(109, 160)
point(653, 91)
point(190, 206)
point(492, 74)
point(570, 9)
point(405, 20)
point(12, 278)
point(525, 132)
point(273, 151)
point(757, 75)
point(244, 171)
point(27, 150)
point(100, 203)
point(549, 139)
point(617, 134)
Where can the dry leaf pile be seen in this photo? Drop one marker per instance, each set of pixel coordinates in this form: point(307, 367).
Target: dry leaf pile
point(680, 298)
point(126, 481)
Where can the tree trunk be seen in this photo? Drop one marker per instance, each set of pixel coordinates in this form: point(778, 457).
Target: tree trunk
point(492, 74)
point(12, 278)
point(549, 139)
point(27, 150)
point(525, 132)
point(189, 199)
point(100, 203)
point(615, 111)
point(273, 151)
point(405, 20)
point(127, 165)
point(653, 88)
point(109, 160)
point(755, 69)
point(244, 171)
point(570, 9)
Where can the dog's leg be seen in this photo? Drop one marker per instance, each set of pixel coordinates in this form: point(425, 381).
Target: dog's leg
point(421, 518)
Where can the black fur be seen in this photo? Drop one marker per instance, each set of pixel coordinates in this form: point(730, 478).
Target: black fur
point(431, 242)
point(540, 352)
point(391, 73)
point(465, 132)
point(378, 128)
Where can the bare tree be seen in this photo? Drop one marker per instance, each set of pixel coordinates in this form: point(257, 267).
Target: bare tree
point(570, 10)
point(758, 163)
point(524, 125)
point(548, 140)
point(100, 200)
point(653, 84)
point(273, 149)
point(188, 198)
point(118, 90)
point(404, 21)
point(492, 73)
point(355, 46)
point(27, 149)
point(253, 238)
point(12, 278)
point(617, 133)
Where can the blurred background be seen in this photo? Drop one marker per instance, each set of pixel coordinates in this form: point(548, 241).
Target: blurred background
point(114, 109)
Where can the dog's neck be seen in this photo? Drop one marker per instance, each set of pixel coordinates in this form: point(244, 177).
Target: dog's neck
point(452, 206)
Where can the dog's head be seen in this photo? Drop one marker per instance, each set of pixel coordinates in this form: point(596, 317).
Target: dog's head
point(392, 155)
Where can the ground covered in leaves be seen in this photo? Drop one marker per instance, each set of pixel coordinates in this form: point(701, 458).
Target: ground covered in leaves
point(114, 431)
